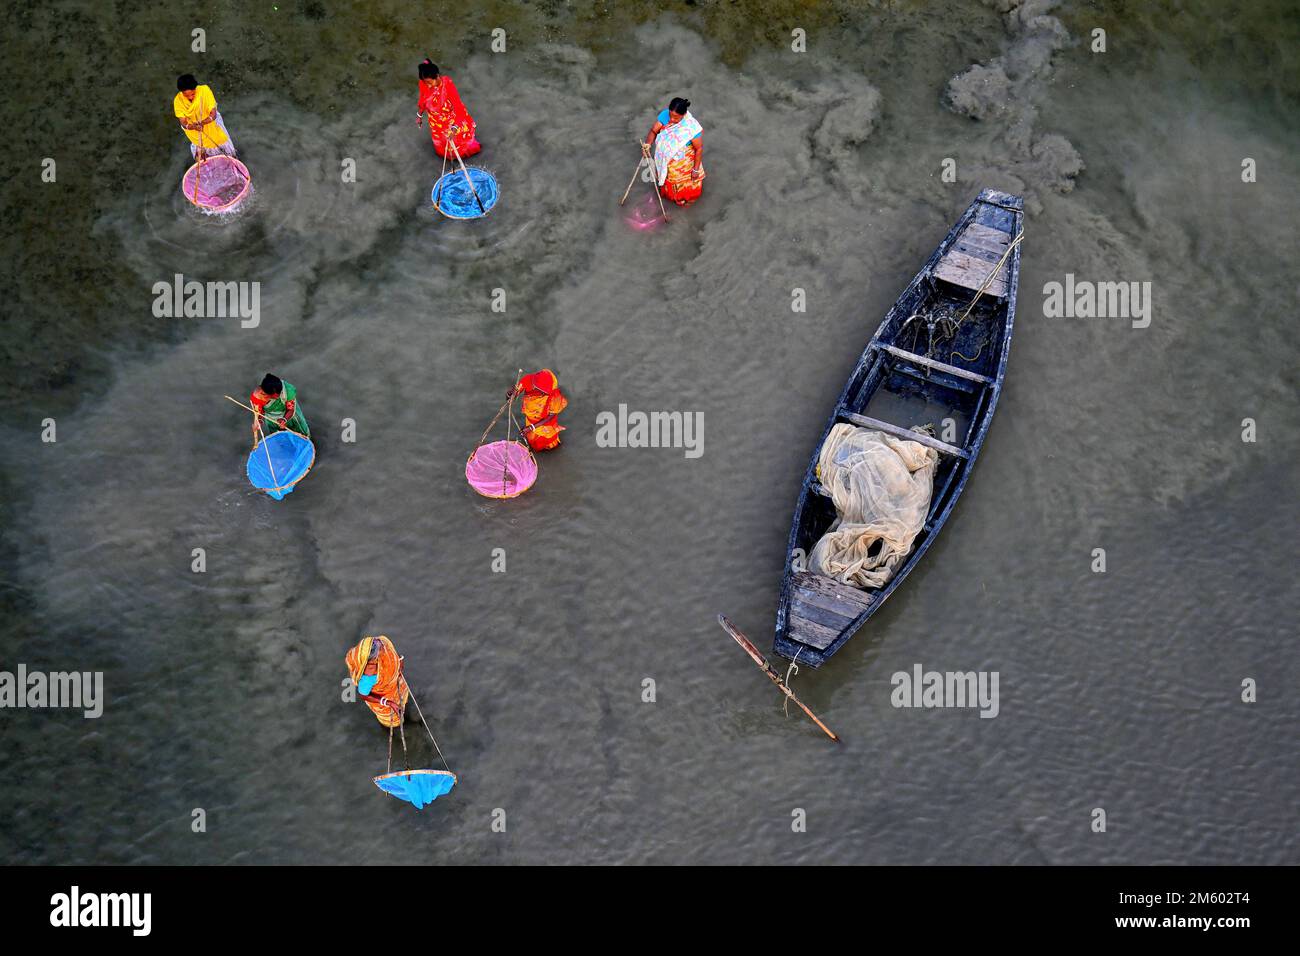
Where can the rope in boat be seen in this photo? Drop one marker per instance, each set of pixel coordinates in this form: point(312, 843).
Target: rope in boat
point(989, 278)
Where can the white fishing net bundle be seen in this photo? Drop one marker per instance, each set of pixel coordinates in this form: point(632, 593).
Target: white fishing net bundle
point(881, 486)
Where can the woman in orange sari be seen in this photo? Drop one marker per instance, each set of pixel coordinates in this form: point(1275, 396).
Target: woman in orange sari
point(376, 669)
point(448, 117)
point(542, 401)
point(676, 142)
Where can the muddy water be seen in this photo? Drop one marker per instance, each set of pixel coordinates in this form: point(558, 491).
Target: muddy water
point(1118, 690)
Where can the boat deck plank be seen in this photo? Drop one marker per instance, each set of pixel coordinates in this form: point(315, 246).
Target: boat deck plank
point(986, 240)
point(809, 632)
point(818, 586)
point(968, 272)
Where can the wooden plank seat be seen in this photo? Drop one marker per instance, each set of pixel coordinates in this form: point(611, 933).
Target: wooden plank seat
point(938, 366)
point(899, 432)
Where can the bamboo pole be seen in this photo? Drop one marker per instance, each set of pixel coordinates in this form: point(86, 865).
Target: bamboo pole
point(654, 184)
point(505, 457)
point(452, 143)
point(631, 182)
point(496, 417)
point(770, 671)
point(437, 200)
point(258, 417)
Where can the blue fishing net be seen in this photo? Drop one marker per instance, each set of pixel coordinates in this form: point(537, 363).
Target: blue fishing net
point(280, 461)
point(454, 199)
point(417, 787)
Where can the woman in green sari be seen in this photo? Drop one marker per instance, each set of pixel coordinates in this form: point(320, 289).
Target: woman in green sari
point(277, 404)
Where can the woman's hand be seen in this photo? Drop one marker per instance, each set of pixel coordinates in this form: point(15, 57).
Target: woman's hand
point(697, 173)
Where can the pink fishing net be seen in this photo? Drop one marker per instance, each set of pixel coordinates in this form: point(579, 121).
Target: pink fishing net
point(501, 469)
point(218, 184)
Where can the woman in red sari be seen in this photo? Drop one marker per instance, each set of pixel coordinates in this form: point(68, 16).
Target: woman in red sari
point(447, 114)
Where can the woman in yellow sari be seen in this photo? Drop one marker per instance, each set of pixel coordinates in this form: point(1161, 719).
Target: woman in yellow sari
point(196, 108)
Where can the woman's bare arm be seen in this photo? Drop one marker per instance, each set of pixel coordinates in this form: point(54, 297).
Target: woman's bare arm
point(654, 131)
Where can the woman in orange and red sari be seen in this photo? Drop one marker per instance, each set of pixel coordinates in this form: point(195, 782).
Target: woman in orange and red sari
point(542, 401)
point(678, 143)
point(376, 669)
point(448, 118)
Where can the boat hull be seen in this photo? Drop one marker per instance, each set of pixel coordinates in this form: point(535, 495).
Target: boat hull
point(939, 357)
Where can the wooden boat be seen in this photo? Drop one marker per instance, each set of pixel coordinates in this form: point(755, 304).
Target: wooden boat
point(938, 358)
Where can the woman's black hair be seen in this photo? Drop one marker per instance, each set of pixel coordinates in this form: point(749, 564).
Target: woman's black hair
point(186, 81)
point(272, 385)
point(679, 106)
point(428, 70)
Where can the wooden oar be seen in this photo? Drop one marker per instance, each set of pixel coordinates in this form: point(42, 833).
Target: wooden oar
point(452, 143)
point(770, 671)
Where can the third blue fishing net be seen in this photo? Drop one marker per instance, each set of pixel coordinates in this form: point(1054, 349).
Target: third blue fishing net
point(454, 199)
